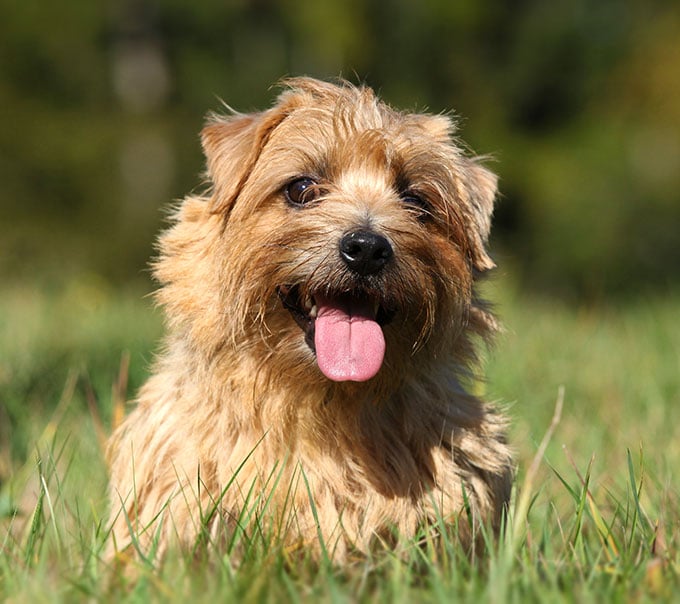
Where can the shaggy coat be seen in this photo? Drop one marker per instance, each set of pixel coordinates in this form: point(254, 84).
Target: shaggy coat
point(239, 427)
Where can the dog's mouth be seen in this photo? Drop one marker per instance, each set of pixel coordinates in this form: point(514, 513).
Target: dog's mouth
point(344, 330)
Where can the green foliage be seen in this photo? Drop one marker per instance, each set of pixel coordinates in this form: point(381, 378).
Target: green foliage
point(65, 349)
point(594, 516)
point(577, 101)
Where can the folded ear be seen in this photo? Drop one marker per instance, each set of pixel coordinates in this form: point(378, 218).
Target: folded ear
point(232, 146)
point(482, 186)
point(479, 187)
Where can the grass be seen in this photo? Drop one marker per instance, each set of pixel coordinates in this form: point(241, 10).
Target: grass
point(594, 394)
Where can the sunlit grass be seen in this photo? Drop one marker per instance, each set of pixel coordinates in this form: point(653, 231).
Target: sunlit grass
point(596, 518)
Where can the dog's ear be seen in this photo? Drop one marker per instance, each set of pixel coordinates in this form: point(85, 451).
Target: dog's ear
point(232, 146)
point(482, 186)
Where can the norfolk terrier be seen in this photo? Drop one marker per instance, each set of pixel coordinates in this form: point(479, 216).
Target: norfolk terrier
point(323, 321)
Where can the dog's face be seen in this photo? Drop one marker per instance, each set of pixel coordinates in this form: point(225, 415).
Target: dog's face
point(345, 236)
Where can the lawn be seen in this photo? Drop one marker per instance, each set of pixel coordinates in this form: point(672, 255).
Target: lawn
point(595, 515)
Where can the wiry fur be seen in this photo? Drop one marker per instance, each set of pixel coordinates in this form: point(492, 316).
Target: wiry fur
point(237, 413)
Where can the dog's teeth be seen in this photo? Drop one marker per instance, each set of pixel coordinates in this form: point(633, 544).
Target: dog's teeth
point(308, 304)
point(313, 311)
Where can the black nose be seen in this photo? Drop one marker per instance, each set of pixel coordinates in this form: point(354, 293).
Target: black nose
point(365, 252)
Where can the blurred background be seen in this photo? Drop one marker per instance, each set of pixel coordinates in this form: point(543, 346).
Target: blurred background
point(578, 102)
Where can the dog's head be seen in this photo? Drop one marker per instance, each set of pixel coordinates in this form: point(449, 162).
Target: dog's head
point(338, 232)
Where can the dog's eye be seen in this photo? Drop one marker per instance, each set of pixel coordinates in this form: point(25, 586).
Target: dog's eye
point(302, 190)
point(416, 201)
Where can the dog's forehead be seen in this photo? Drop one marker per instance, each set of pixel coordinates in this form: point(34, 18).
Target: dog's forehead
point(346, 120)
point(337, 138)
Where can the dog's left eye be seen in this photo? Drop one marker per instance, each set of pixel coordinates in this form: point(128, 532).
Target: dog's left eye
point(302, 190)
point(415, 200)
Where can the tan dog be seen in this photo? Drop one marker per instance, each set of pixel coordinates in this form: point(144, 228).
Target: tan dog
point(321, 308)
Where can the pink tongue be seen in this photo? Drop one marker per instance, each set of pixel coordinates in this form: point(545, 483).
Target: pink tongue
point(350, 345)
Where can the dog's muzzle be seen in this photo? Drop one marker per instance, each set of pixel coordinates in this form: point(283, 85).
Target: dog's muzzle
point(345, 328)
point(365, 252)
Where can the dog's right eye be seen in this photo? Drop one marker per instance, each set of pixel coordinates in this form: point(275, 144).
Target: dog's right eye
point(301, 191)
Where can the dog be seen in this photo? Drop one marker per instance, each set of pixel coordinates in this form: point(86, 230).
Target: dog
point(323, 323)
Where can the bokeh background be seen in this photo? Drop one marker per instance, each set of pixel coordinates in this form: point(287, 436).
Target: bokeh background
point(578, 102)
